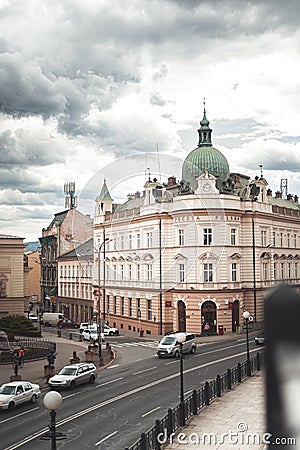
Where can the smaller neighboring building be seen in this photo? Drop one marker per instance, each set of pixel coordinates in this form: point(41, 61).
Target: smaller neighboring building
point(75, 282)
point(14, 276)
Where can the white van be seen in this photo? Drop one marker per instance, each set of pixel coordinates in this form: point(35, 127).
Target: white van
point(169, 346)
point(51, 319)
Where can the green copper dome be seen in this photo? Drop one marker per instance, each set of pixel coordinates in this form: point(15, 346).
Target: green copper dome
point(205, 156)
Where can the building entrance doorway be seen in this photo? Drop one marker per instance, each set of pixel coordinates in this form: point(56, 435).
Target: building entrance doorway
point(235, 315)
point(181, 308)
point(209, 315)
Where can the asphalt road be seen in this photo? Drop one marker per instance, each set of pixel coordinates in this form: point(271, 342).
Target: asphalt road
point(124, 402)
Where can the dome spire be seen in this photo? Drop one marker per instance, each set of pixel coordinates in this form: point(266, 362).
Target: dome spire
point(204, 131)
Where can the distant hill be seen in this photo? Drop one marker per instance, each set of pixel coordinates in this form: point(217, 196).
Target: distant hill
point(32, 246)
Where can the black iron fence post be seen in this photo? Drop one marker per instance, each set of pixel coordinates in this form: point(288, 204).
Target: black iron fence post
point(239, 372)
point(206, 393)
point(194, 402)
point(229, 379)
point(218, 385)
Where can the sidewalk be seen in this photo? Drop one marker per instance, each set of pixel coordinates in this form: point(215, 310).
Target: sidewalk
point(235, 421)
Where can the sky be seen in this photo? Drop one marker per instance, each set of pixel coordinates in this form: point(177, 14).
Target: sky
point(87, 87)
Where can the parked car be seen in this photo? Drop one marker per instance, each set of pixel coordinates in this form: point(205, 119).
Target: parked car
point(110, 331)
point(17, 392)
point(88, 326)
point(67, 323)
point(33, 317)
point(169, 346)
point(51, 319)
point(87, 335)
point(260, 340)
point(73, 375)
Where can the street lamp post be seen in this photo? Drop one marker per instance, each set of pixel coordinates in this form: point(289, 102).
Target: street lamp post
point(52, 401)
point(246, 316)
point(180, 337)
point(99, 301)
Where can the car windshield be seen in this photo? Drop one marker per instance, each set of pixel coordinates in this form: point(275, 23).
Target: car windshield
point(168, 340)
point(7, 390)
point(67, 371)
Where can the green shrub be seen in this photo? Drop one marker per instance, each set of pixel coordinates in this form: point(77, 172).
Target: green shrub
point(18, 326)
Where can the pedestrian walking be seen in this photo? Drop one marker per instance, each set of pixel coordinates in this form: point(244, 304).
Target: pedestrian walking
point(206, 329)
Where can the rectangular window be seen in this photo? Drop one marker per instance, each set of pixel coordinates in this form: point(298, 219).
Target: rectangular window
point(263, 237)
point(296, 270)
point(115, 244)
point(122, 271)
point(282, 270)
point(115, 304)
point(138, 306)
point(122, 242)
point(289, 270)
point(149, 272)
point(233, 272)
point(181, 236)
point(61, 271)
point(275, 270)
point(208, 272)
point(288, 239)
point(233, 237)
point(149, 309)
point(138, 272)
point(281, 239)
point(108, 304)
point(265, 271)
point(130, 306)
point(207, 236)
point(130, 271)
point(130, 241)
point(274, 238)
point(181, 273)
point(122, 306)
point(295, 240)
point(138, 240)
point(149, 239)
point(115, 271)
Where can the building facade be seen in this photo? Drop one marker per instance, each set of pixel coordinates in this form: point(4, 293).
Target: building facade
point(197, 251)
point(14, 276)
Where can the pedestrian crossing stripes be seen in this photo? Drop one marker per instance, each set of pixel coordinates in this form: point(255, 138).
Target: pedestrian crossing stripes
point(150, 344)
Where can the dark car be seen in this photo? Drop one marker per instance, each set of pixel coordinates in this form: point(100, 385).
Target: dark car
point(67, 323)
point(260, 340)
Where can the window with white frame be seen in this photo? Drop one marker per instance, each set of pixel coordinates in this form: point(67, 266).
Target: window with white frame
point(288, 240)
point(149, 309)
point(263, 237)
point(296, 270)
point(281, 239)
point(207, 272)
point(149, 272)
point(149, 239)
point(138, 305)
point(295, 240)
point(181, 236)
point(233, 237)
point(282, 270)
point(130, 306)
point(233, 271)
point(115, 271)
point(138, 240)
point(115, 243)
point(122, 271)
point(207, 236)
point(138, 271)
point(115, 304)
point(122, 306)
point(122, 242)
point(61, 271)
point(274, 238)
point(265, 271)
point(289, 267)
point(108, 304)
point(181, 273)
point(275, 270)
point(130, 241)
point(130, 271)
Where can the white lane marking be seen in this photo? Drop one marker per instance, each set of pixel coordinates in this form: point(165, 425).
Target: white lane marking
point(109, 382)
point(105, 439)
point(18, 415)
point(119, 397)
point(112, 367)
point(72, 395)
point(149, 412)
point(172, 362)
point(145, 370)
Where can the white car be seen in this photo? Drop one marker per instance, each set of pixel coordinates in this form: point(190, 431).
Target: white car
point(71, 376)
point(88, 326)
point(87, 335)
point(33, 317)
point(110, 331)
point(17, 392)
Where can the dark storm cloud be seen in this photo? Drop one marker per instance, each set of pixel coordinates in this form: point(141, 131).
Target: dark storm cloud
point(25, 149)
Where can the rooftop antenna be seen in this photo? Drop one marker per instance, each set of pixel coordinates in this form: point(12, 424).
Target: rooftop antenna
point(283, 187)
point(71, 198)
point(158, 162)
point(261, 170)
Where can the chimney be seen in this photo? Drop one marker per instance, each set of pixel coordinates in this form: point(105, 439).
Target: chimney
point(296, 198)
point(171, 181)
point(289, 197)
point(277, 194)
point(137, 194)
point(269, 192)
point(130, 197)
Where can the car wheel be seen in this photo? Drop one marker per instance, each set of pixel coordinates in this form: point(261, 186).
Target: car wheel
point(176, 354)
point(111, 333)
point(193, 349)
point(72, 385)
point(11, 406)
point(33, 399)
point(92, 379)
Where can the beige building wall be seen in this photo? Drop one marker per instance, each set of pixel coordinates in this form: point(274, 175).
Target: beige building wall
point(14, 284)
